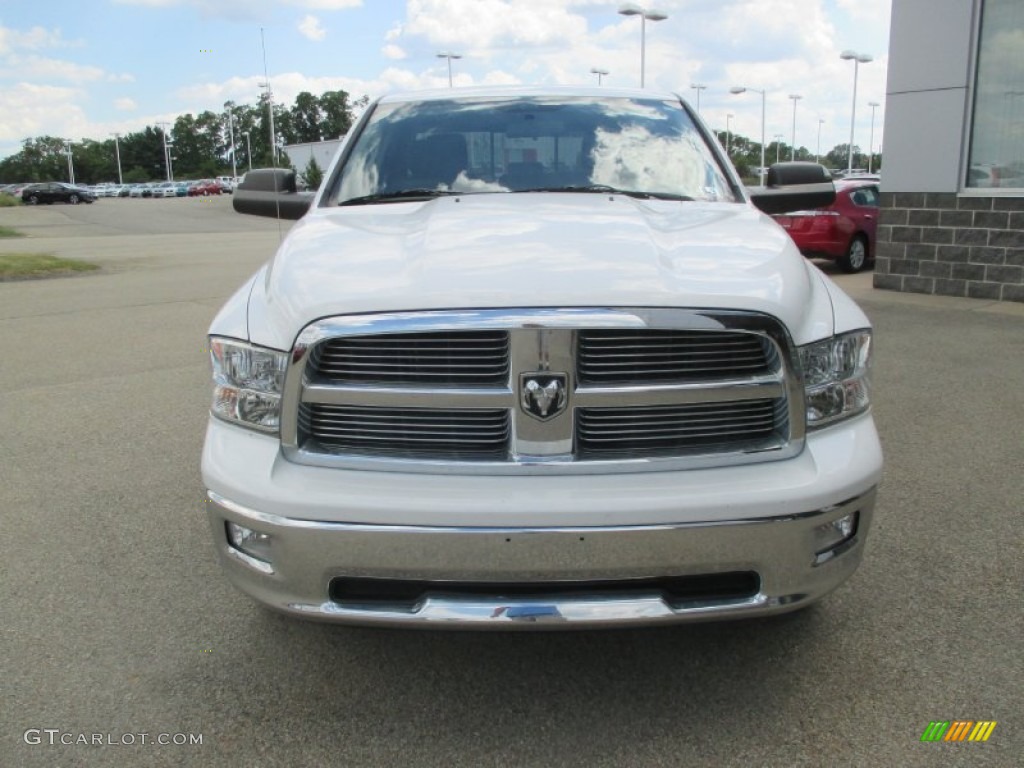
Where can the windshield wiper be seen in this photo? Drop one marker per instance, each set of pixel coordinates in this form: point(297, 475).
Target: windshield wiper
point(400, 194)
point(605, 189)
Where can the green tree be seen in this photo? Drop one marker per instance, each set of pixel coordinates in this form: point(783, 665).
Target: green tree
point(336, 114)
point(313, 174)
point(200, 144)
point(839, 156)
point(135, 175)
point(144, 150)
point(41, 159)
point(306, 118)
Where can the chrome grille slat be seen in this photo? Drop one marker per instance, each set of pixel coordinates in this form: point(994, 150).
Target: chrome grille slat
point(396, 431)
point(436, 357)
point(445, 391)
point(658, 355)
point(674, 429)
point(642, 430)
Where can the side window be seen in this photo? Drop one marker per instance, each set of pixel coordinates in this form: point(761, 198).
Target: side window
point(867, 197)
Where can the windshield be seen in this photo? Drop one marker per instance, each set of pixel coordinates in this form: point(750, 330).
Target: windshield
point(644, 147)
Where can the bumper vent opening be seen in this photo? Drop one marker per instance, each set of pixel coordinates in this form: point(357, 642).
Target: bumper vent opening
point(677, 591)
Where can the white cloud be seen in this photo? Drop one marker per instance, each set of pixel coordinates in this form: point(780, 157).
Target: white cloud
point(485, 24)
point(31, 39)
point(393, 52)
point(874, 11)
point(125, 104)
point(40, 68)
point(327, 5)
point(244, 9)
point(312, 29)
point(783, 46)
point(29, 109)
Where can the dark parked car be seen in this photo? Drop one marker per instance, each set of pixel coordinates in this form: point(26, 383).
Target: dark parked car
point(56, 192)
point(844, 232)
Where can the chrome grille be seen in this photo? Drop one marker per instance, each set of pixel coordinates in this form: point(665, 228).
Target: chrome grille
point(448, 433)
point(449, 358)
point(641, 389)
point(675, 429)
point(646, 356)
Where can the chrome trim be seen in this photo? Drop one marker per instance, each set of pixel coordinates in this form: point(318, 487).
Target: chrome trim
point(538, 447)
point(754, 388)
point(310, 554)
point(551, 613)
point(833, 511)
point(409, 397)
point(259, 565)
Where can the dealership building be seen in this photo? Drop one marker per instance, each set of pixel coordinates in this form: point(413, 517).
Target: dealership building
point(952, 218)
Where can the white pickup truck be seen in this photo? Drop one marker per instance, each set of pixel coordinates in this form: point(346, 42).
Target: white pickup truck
point(534, 358)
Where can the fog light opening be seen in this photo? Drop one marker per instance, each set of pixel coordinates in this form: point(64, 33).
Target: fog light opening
point(834, 538)
point(252, 546)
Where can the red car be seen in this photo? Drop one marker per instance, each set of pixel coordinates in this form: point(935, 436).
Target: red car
point(204, 188)
point(844, 232)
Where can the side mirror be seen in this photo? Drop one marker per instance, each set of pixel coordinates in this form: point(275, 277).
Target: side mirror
point(793, 187)
point(271, 192)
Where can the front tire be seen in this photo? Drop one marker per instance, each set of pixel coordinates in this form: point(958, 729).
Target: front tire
point(856, 256)
point(32, 200)
point(73, 199)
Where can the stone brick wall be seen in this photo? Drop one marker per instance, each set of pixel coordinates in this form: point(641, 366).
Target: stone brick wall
point(950, 245)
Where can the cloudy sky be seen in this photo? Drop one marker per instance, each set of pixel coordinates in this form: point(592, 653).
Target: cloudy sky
point(87, 69)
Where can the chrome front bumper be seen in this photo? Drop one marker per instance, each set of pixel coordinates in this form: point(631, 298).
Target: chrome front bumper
point(307, 556)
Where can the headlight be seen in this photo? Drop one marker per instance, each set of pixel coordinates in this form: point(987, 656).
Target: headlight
point(247, 383)
point(837, 377)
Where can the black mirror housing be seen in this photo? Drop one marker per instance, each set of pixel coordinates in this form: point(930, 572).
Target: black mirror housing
point(271, 192)
point(794, 186)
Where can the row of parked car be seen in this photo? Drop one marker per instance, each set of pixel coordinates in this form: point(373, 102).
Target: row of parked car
point(181, 188)
point(62, 192)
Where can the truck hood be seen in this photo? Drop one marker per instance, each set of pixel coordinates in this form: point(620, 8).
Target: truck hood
point(534, 250)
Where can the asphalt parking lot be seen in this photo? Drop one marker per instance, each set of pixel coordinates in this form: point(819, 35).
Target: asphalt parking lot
point(116, 620)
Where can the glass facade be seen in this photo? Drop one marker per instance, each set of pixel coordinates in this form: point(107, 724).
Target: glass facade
point(996, 158)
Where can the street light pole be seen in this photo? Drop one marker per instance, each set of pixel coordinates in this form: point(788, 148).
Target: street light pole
point(778, 145)
point(817, 157)
point(449, 55)
point(871, 141)
point(71, 162)
point(698, 87)
point(599, 72)
point(270, 109)
point(728, 135)
point(795, 97)
point(231, 129)
point(117, 154)
point(645, 14)
point(167, 155)
point(743, 89)
point(858, 59)
point(248, 150)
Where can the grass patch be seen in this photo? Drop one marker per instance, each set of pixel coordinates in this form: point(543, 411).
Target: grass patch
point(8, 201)
point(8, 232)
point(25, 266)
